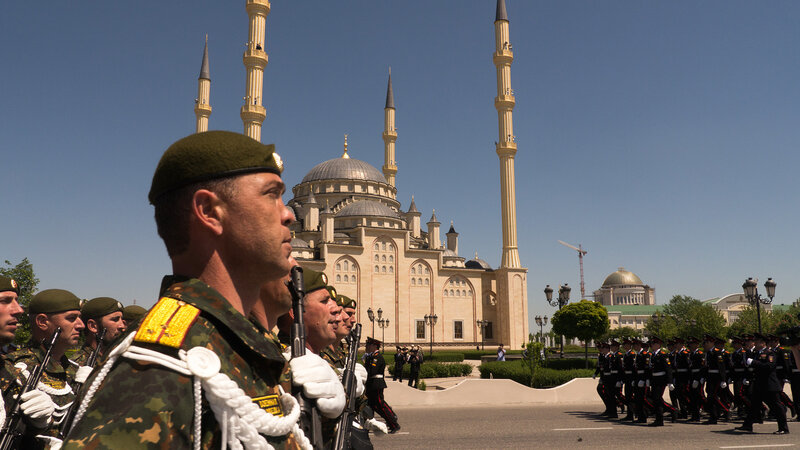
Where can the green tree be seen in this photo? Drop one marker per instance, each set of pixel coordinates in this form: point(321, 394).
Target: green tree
point(532, 355)
point(584, 320)
point(26, 278)
point(771, 321)
point(621, 333)
point(686, 316)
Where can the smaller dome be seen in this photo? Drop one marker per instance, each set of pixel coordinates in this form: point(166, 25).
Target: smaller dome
point(449, 253)
point(299, 243)
point(341, 235)
point(478, 263)
point(364, 208)
point(622, 277)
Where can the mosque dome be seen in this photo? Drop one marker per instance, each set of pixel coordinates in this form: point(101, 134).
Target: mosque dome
point(367, 208)
point(299, 243)
point(344, 169)
point(478, 263)
point(622, 277)
point(449, 253)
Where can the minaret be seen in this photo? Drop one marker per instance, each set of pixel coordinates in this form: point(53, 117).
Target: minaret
point(255, 59)
point(433, 232)
point(452, 239)
point(202, 107)
point(389, 135)
point(506, 147)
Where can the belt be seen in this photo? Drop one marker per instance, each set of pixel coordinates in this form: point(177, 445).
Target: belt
point(630, 372)
point(795, 370)
point(713, 371)
point(738, 370)
point(377, 376)
point(606, 373)
point(614, 371)
point(682, 370)
point(659, 374)
point(696, 370)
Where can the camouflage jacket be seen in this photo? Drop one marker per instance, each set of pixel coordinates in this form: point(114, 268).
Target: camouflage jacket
point(82, 355)
point(336, 354)
point(57, 379)
point(145, 405)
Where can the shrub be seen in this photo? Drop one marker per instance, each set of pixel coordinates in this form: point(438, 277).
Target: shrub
point(476, 354)
point(570, 363)
point(435, 370)
point(440, 356)
point(543, 377)
point(422, 386)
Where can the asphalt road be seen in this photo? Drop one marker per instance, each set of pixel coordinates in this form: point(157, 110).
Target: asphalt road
point(569, 427)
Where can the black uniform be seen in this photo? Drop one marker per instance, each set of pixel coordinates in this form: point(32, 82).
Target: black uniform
point(739, 375)
point(697, 372)
point(642, 379)
point(660, 378)
point(628, 380)
point(374, 387)
point(415, 361)
point(794, 378)
point(781, 371)
point(399, 362)
point(716, 380)
point(683, 380)
point(766, 387)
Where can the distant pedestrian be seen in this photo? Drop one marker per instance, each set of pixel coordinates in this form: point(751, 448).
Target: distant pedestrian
point(501, 353)
point(415, 361)
point(400, 358)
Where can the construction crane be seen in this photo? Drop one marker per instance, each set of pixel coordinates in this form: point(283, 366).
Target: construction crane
point(581, 252)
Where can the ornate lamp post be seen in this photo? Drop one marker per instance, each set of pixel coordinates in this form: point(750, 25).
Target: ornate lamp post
point(371, 317)
point(482, 324)
point(431, 321)
point(382, 324)
point(563, 299)
point(541, 321)
point(750, 288)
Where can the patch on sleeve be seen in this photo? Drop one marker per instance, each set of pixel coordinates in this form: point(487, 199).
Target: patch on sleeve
point(167, 323)
point(270, 404)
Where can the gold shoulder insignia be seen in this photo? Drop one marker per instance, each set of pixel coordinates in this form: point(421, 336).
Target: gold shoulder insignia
point(167, 323)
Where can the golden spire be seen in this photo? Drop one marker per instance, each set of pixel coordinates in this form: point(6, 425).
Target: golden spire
point(345, 155)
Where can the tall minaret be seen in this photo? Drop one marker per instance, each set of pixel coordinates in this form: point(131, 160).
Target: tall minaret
point(389, 135)
point(506, 147)
point(202, 107)
point(255, 59)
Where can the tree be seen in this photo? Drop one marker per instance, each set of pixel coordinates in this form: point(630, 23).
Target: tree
point(621, 333)
point(26, 278)
point(532, 355)
point(583, 320)
point(686, 316)
point(772, 322)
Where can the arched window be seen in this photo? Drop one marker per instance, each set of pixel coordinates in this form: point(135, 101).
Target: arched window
point(427, 271)
point(383, 269)
point(413, 271)
point(346, 279)
point(419, 280)
point(338, 278)
point(458, 293)
point(391, 258)
point(451, 293)
point(377, 269)
point(346, 268)
point(413, 281)
point(391, 269)
point(445, 292)
point(464, 293)
point(427, 281)
point(383, 246)
point(391, 247)
point(338, 266)
point(383, 258)
point(377, 258)
point(353, 279)
point(377, 247)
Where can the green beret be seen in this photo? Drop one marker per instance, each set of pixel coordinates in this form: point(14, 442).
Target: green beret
point(314, 280)
point(53, 301)
point(211, 155)
point(133, 312)
point(345, 301)
point(8, 284)
point(99, 307)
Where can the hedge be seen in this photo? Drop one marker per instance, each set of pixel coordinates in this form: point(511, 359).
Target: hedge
point(543, 377)
point(570, 363)
point(476, 354)
point(435, 370)
point(442, 356)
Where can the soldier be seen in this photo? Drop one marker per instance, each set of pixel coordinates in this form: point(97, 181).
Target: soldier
point(400, 358)
point(681, 377)
point(601, 369)
point(697, 373)
point(781, 356)
point(629, 377)
point(793, 372)
point(98, 314)
point(132, 314)
point(739, 375)
point(48, 310)
point(615, 381)
point(10, 311)
point(196, 369)
point(642, 383)
point(375, 384)
point(716, 380)
point(414, 362)
point(765, 387)
point(660, 379)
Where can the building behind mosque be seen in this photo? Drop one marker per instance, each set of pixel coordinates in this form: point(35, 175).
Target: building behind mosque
point(351, 225)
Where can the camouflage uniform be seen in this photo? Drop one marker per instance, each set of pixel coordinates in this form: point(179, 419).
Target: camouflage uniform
point(82, 355)
point(144, 405)
point(57, 379)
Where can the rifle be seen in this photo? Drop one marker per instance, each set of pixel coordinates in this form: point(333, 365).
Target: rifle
point(66, 424)
point(11, 429)
point(309, 420)
point(342, 439)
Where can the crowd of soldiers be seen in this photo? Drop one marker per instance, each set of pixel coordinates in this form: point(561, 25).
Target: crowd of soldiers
point(708, 378)
point(214, 362)
point(412, 357)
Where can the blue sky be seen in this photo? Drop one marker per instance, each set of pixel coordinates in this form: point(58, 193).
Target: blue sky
point(660, 135)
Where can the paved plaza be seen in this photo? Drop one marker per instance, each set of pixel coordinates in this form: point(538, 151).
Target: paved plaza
point(563, 426)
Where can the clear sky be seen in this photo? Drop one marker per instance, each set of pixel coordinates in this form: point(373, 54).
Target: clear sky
point(662, 136)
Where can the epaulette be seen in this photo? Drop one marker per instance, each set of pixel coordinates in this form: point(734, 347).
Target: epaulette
point(167, 323)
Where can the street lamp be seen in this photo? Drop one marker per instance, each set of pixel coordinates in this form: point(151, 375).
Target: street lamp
point(482, 324)
point(563, 299)
point(382, 324)
point(431, 321)
point(750, 288)
point(371, 316)
point(541, 321)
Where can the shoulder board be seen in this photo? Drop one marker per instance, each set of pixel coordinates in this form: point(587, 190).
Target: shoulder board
point(167, 323)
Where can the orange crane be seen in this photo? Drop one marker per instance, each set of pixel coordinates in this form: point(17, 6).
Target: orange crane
point(581, 252)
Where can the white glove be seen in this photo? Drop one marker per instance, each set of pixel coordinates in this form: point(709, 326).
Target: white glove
point(320, 382)
point(619, 384)
point(785, 381)
point(671, 387)
point(749, 361)
point(723, 385)
point(38, 407)
point(82, 374)
point(647, 383)
point(641, 383)
point(377, 426)
point(695, 383)
point(746, 382)
point(361, 379)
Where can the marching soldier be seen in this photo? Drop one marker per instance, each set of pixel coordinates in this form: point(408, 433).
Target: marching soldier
point(781, 356)
point(604, 371)
point(716, 380)
point(375, 384)
point(400, 358)
point(615, 382)
point(642, 382)
point(190, 373)
point(414, 362)
point(49, 310)
point(739, 375)
point(629, 377)
point(661, 378)
point(793, 372)
point(765, 387)
point(98, 314)
point(697, 374)
point(682, 377)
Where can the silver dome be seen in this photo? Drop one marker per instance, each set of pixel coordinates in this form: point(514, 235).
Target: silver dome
point(344, 169)
point(363, 208)
point(478, 263)
point(299, 243)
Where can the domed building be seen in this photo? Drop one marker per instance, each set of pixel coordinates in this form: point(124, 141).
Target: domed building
point(625, 288)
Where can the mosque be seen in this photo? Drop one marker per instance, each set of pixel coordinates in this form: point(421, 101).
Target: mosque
point(351, 226)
